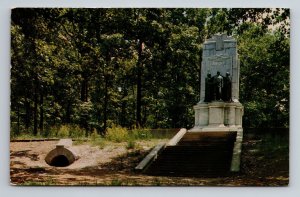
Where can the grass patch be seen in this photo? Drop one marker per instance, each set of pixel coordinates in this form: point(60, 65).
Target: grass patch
point(81, 141)
point(26, 136)
point(131, 144)
point(121, 134)
point(63, 131)
point(117, 134)
point(97, 140)
point(114, 134)
point(100, 142)
point(116, 182)
point(141, 134)
point(274, 143)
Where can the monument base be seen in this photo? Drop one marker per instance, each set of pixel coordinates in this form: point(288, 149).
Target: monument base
point(218, 116)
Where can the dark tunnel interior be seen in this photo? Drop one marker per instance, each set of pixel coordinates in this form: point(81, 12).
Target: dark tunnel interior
point(60, 161)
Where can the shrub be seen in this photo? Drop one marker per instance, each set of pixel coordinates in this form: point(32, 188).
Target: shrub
point(76, 132)
point(96, 139)
point(117, 134)
point(141, 134)
point(72, 131)
point(51, 131)
point(63, 131)
point(25, 136)
point(94, 136)
point(130, 144)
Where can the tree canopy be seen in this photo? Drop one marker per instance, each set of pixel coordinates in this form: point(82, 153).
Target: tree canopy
point(139, 67)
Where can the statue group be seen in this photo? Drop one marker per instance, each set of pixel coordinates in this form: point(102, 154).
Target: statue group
point(218, 88)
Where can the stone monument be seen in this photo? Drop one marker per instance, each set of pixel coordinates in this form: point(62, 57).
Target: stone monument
point(219, 108)
point(213, 146)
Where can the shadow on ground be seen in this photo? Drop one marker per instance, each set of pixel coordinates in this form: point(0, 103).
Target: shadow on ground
point(264, 162)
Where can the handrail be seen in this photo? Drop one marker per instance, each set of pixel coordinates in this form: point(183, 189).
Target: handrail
point(177, 137)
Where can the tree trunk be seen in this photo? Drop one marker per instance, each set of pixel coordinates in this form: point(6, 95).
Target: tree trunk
point(123, 108)
point(156, 116)
point(139, 86)
point(41, 111)
point(84, 89)
point(18, 114)
point(35, 109)
point(105, 103)
point(27, 115)
point(82, 97)
point(144, 114)
point(68, 112)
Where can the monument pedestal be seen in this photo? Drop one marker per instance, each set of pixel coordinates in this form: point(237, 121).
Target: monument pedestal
point(218, 116)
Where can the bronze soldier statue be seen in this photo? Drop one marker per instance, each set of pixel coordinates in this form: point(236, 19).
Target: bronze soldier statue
point(209, 88)
point(218, 83)
point(227, 88)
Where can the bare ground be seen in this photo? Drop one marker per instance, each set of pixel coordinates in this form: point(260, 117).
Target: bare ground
point(114, 165)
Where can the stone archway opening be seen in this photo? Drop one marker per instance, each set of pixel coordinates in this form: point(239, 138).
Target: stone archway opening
point(60, 161)
point(63, 155)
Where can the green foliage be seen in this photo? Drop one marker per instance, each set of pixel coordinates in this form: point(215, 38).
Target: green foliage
point(67, 131)
point(63, 131)
point(97, 140)
point(264, 87)
point(83, 115)
point(76, 132)
point(51, 131)
point(120, 134)
point(94, 136)
point(131, 144)
point(117, 134)
point(275, 144)
point(25, 136)
point(138, 67)
point(116, 182)
point(140, 134)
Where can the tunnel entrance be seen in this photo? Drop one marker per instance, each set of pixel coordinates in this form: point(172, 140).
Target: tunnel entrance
point(63, 155)
point(60, 161)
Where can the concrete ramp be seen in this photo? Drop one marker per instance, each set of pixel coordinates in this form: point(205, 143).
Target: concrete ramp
point(147, 161)
point(193, 154)
point(62, 155)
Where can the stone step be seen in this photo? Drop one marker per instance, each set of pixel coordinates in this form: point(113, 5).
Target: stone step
point(208, 136)
point(196, 154)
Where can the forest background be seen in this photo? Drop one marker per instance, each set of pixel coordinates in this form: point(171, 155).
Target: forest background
point(92, 69)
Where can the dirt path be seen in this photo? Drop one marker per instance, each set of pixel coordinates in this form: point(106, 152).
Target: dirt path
point(114, 165)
